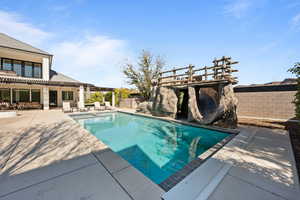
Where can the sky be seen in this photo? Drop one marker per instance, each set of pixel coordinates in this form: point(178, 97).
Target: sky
point(91, 40)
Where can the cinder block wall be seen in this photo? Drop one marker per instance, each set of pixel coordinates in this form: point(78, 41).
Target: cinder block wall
point(129, 103)
point(260, 103)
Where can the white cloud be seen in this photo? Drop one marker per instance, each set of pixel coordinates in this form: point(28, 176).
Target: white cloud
point(237, 8)
point(295, 22)
point(95, 59)
point(13, 25)
point(91, 58)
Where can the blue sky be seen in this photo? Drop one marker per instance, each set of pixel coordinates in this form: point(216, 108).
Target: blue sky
point(91, 39)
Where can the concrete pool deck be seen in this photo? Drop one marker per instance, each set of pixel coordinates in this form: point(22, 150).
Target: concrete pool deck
point(46, 155)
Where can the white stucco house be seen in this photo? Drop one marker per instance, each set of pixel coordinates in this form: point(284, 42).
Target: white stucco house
point(26, 75)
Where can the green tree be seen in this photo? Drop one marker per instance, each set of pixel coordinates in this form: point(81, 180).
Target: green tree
point(121, 93)
point(148, 69)
point(108, 97)
point(97, 96)
point(296, 70)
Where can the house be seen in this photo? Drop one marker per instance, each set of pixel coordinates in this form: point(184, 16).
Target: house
point(26, 76)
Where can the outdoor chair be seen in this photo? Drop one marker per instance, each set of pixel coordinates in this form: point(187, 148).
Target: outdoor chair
point(98, 107)
point(4, 106)
point(81, 107)
point(108, 106)
point(67, 107)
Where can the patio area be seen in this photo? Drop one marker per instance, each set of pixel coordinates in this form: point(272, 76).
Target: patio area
point(47, 155)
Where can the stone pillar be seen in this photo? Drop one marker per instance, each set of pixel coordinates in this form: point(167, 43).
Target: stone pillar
point(113, 99)
point(81, 96)
point(103, 99)
point(46, 68)
point(88, 93)
point(46, 98)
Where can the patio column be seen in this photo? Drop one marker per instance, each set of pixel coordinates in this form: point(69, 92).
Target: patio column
point(113, 99)
point(30, 97)
point(46, 98)
point(81, 96)
point(46, 68)
point(88, 93)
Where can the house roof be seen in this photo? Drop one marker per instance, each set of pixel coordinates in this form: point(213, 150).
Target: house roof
point(9, 42)
point(59, 77)
point(289, 84)
point(287, 81)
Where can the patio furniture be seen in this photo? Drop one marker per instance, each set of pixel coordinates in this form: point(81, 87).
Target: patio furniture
point(4, 106)
point(67, 107)
point(81, 107)
point(108, 106)
point(97, 106)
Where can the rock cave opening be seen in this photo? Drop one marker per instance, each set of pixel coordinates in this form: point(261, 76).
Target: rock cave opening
point(182, 103)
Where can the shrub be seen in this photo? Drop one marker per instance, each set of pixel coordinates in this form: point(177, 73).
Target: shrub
point(120, 93)
point(97, 96)
point(296, 70)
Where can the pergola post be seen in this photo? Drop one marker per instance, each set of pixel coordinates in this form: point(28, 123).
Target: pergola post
point(81, 96)
point(11, 96)
point(46, 98)
point(88, 93)
point(113, 99)
point(30, 95)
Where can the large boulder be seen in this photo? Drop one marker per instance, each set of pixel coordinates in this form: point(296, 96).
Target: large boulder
point(165, 102)
point(145, 107)
point(229, 103)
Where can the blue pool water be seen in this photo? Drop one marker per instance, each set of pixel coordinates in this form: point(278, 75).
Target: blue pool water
point(155, 147)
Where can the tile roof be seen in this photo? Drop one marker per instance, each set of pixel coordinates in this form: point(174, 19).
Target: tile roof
point(7, 41)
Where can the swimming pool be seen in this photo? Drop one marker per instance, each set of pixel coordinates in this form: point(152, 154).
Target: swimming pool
point(156, 147)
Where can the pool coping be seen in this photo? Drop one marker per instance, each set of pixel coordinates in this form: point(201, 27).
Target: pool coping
point(178, 176)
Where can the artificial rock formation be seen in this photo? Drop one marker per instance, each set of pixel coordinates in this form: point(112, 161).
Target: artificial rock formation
point(165, 102)
point(145, 107)
point(224, 113)
point(205, 105)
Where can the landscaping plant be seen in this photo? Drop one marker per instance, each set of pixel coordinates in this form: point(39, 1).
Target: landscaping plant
point(296, 70)
point(147, 71)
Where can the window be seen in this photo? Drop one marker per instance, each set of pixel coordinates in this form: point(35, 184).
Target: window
point(21, 95)
point(22, 68)
point(4, 95)
point(35, 96)
point(6, 64)
point(17, 66)
point(67, 95)
point(28, 69)
point(37, 70)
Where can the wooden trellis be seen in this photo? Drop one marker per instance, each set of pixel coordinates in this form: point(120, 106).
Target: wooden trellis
point(220, 72)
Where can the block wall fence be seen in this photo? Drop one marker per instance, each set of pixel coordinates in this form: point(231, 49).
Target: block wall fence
point(274, 101)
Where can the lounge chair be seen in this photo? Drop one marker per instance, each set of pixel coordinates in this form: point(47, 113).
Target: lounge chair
point(81, 107)
point(67, 107)
point(98, 107)
point(108, 106)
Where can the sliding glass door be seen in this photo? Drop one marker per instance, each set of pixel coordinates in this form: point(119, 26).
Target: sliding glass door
point(21, 95)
